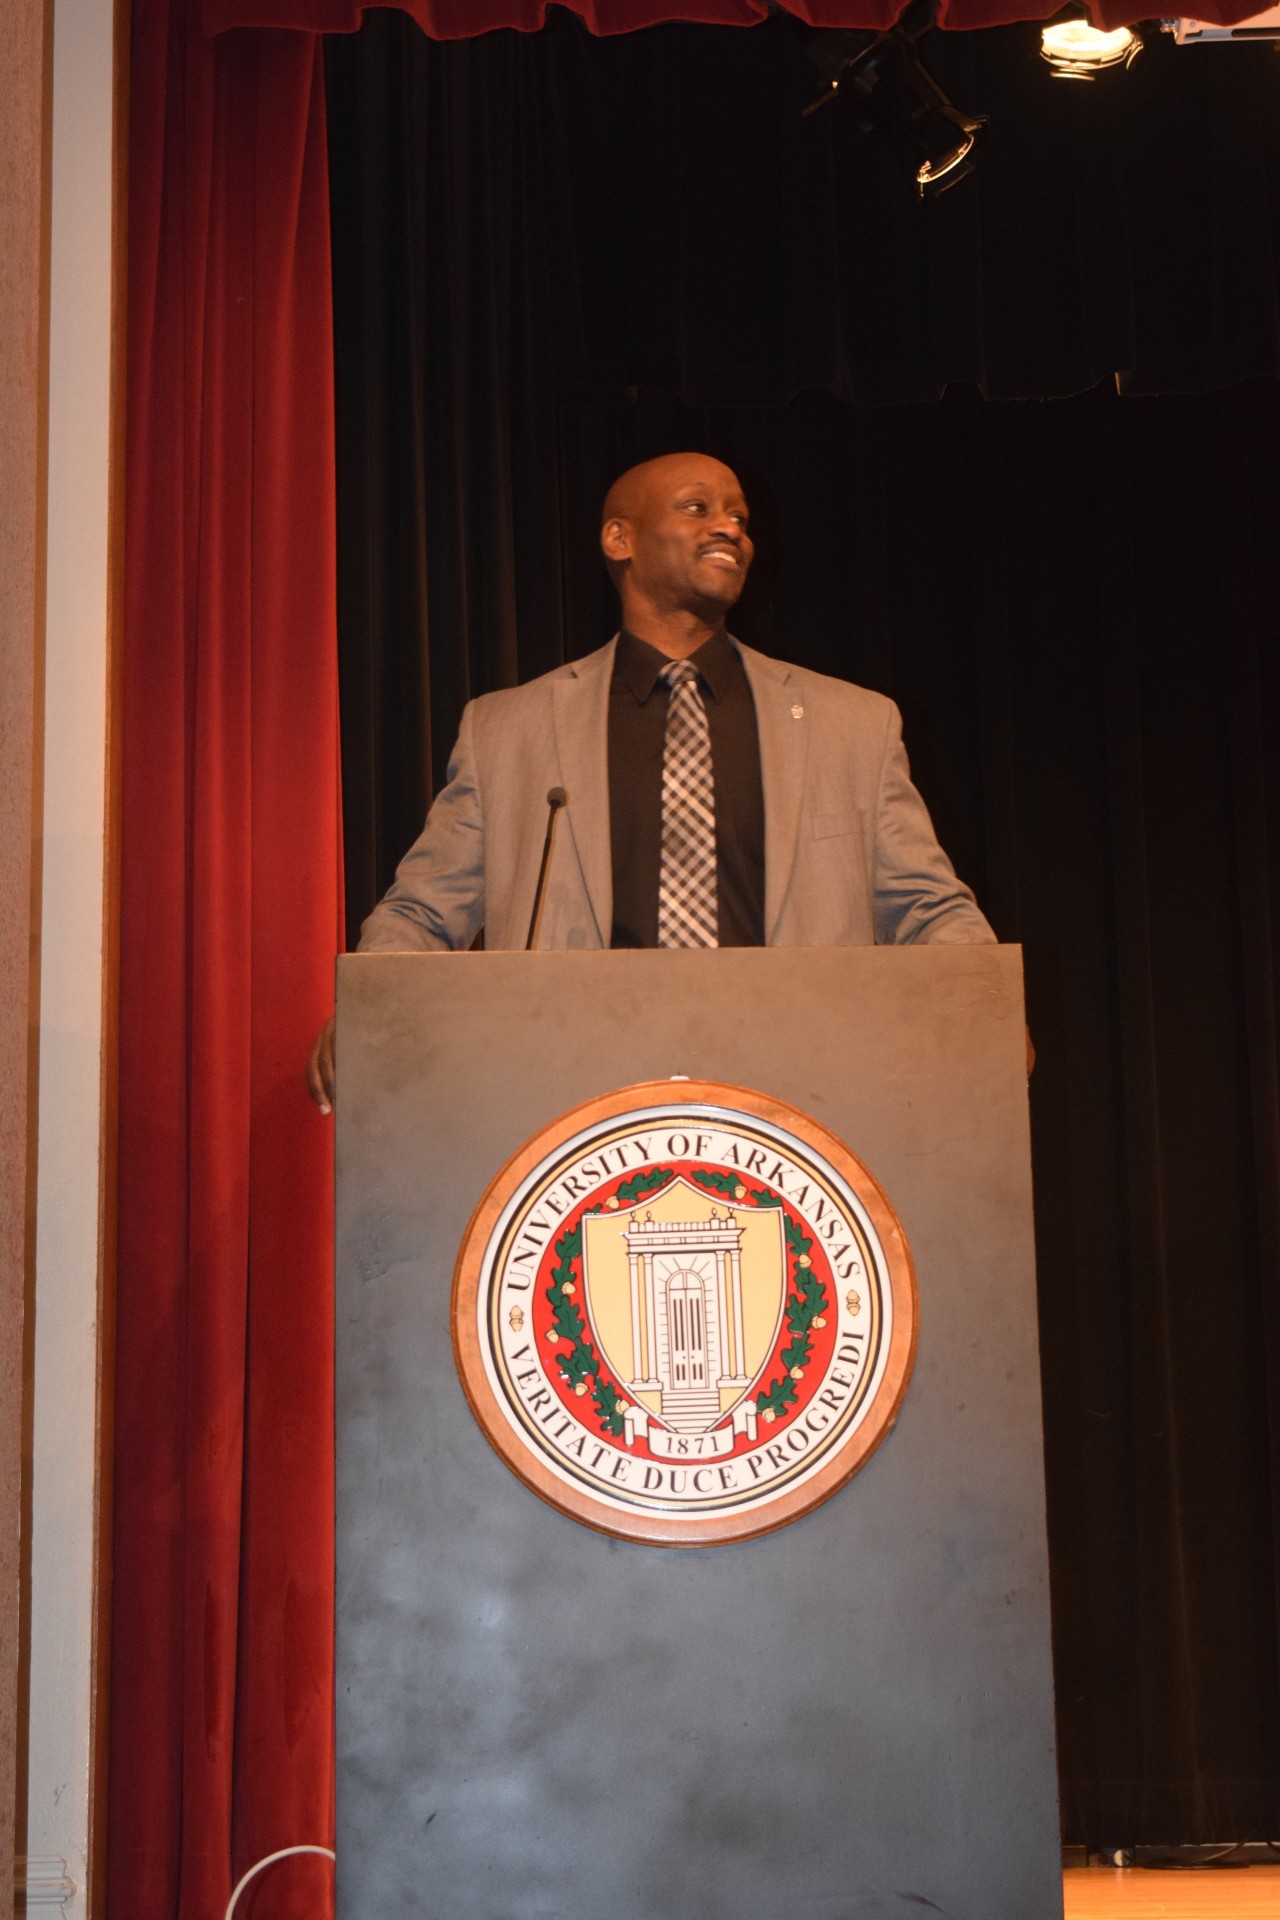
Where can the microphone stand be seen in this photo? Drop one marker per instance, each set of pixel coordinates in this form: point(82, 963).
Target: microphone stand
point(556, 798)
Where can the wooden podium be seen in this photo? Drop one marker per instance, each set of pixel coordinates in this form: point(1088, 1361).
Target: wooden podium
point(847, 1718)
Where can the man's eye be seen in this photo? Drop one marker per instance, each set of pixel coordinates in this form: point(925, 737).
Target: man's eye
point(695, 506)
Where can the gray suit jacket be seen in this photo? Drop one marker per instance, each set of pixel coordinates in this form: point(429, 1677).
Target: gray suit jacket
point(850, 854)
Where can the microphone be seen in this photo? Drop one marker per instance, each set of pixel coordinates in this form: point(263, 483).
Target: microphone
point(556, 798)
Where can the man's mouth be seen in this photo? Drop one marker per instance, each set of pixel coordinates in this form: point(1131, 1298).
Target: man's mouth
point(724, 555)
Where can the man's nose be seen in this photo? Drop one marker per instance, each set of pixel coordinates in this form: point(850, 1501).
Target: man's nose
point(725, 528)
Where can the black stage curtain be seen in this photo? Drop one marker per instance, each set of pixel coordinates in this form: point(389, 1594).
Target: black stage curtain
point(554, 256)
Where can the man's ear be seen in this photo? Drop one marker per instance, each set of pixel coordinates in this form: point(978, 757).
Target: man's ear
point(615, 540)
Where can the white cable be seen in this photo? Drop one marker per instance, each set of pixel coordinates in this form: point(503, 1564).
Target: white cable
point(282, 1854)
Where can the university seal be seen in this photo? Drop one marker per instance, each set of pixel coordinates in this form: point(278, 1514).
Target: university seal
point(684, 1313)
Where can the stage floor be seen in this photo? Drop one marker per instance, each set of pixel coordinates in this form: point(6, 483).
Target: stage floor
point(1137, 1893)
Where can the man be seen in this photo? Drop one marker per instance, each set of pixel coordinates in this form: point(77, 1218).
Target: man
point(735, 801)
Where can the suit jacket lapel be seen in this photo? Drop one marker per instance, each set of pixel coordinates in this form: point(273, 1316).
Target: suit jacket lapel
point(580, 709)
point(784, 755)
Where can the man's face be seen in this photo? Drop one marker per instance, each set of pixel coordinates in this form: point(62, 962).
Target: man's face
point(678, 537)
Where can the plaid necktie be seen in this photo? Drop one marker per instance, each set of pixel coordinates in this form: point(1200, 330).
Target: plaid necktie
point(687, 912)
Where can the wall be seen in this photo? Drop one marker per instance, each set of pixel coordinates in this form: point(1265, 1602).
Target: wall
point(23, 209)
point(70, 1187)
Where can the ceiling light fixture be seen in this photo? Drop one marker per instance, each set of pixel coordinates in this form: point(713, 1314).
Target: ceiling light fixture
point(1077, 50)
point(894, 95)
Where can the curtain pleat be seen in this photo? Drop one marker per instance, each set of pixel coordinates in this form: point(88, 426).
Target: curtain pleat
point(221, 1746)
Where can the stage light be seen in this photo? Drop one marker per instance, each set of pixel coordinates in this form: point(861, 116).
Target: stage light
point(894, 95)
point(1077, 50)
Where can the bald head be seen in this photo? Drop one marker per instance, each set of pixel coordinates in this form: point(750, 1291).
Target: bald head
point(674, 537)
point(633, 489)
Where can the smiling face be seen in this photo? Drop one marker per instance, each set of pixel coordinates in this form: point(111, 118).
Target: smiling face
point(676, 542)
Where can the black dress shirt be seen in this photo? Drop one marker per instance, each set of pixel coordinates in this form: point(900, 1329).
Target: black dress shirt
point(638, 701)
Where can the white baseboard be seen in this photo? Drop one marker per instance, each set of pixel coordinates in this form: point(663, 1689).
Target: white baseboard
point(41, 1883)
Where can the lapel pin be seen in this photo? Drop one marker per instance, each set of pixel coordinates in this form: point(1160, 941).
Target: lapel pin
point(797, 713)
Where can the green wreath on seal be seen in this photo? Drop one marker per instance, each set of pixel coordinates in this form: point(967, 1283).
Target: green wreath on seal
point(581, 1367)
point(806, 1306)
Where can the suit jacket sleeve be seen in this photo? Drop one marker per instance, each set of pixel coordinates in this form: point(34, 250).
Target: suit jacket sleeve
point(918, 895)
point(436, 901)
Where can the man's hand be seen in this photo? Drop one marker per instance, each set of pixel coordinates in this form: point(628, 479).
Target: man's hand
point(321, 1081)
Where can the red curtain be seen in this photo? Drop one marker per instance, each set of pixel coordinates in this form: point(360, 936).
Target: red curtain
point(221, 1726)
point(462, 19)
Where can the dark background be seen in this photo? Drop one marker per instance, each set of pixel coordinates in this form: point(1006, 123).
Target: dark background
point(1012, 457)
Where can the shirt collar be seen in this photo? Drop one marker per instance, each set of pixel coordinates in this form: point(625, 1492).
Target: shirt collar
point(638, 665)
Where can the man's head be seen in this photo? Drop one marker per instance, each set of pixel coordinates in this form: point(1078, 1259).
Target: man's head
point(675, 540)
